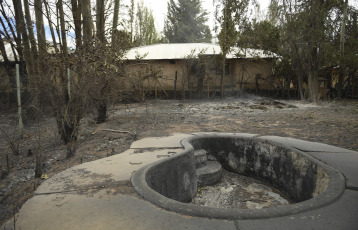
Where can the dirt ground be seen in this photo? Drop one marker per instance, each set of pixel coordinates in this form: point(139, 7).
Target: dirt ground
point(330, 122)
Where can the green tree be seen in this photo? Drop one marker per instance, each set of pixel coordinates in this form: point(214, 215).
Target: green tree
point(131, 19)
point(260, 35)
point(227, 36)
point(273, 14)
point(351, 51)
point(343, 49)
point(115, 22)
point(233, 18)
point(185, 22)
point(304, 29)
point(146, 33)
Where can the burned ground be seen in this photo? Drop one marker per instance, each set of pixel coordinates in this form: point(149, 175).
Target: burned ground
point(330, 122)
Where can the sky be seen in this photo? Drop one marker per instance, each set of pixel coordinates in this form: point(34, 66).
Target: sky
point(159, 8)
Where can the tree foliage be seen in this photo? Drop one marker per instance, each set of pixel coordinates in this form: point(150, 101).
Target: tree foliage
point(146, 32)
point(308, 35)
point(309, 38)
point(185, 22)
point(260, 35)
point(233, 18)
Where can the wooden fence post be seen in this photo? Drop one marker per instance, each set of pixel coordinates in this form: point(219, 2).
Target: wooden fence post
point(175, 84)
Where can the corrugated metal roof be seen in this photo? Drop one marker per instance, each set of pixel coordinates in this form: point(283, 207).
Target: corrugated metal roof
point(11, 56)
point(177, 51)
point(185, 50)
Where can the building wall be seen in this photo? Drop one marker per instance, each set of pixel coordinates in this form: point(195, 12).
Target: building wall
point(242, 72)
point(253, 73)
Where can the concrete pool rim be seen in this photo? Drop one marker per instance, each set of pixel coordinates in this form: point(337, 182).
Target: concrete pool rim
point(335, 188)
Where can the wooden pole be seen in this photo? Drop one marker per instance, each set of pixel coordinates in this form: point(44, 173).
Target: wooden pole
point(175, 84)
point(208, 88)
point(69, 83)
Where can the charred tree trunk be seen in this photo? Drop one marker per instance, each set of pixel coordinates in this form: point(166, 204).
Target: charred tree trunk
point(313, 84)
point(14, 35)
point(296, 65)
point(222, 77)
point(102, 111)
point(102, 105)
point(342, 72)
point(100, 21)
point(57, 26)
point(341, 75)
point(30, 30)
point(41, 38)
point(50, 26)
point(115, 22)
point(131, 20)
point(26, 55)
point(20, 27)
point(87, 22)
point(67, 127)
point(68, 116)
point(300, 83)
point(76, 12)
point(63, 31)
point(11, 75)
point(100, 34)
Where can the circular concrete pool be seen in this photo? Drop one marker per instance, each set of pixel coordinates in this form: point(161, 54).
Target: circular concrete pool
point(172, 182)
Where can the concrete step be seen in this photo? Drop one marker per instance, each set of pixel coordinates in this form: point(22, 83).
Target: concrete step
point(209, 174)
point(200, 158)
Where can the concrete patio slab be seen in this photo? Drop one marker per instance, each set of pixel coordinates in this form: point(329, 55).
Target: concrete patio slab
point(305, 146)
point(103, 211)
point(172, 141)
point(341, 215)
point(96, 173)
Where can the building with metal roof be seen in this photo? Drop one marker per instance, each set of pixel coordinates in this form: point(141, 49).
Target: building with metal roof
point(169, 51)
point(197, 67)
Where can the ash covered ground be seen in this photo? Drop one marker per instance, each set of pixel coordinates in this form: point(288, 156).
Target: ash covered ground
point(238, 191)
point(330, 122)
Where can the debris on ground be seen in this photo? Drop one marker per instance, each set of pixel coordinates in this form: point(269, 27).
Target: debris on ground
point(238, 191)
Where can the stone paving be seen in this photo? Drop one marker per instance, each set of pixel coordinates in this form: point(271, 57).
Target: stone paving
point(98, 195)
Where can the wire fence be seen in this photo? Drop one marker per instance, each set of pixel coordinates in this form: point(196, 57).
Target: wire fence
point(20, 112)
point(11, 123)
point(11, 114)
point(27, 124)
point(15, 105)
point(20, 116)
